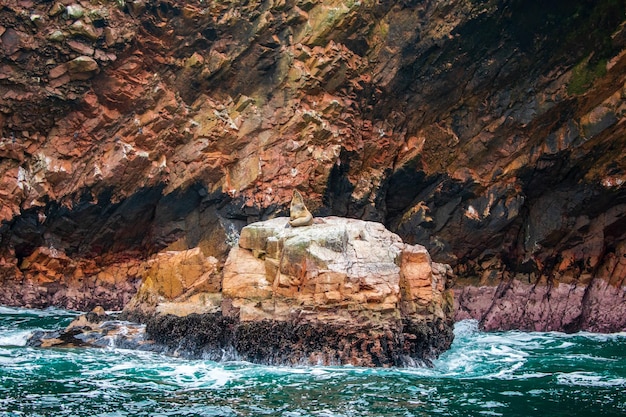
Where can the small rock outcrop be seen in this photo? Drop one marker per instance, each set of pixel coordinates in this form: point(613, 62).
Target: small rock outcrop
point(376, 300)
point(95, 329)
point(340, 291)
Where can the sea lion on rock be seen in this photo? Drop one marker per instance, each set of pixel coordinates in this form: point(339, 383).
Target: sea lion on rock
point(299, 215)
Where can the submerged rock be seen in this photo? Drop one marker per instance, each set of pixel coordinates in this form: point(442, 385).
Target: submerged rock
point(95, 329)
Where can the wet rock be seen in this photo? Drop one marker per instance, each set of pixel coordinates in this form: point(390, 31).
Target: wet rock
point(217, 337)
point(96, 329)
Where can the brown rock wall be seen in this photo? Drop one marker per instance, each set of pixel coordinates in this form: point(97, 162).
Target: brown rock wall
point(490, 132)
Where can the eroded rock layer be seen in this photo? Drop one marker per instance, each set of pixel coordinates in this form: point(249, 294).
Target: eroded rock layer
point(491, 132)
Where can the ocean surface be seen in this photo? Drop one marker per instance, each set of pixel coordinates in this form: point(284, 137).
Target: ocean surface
point(484, 374)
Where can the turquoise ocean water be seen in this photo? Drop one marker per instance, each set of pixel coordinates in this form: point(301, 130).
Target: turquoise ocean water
point(484, 374)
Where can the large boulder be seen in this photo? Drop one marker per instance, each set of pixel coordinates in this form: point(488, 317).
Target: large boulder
point(337, 270)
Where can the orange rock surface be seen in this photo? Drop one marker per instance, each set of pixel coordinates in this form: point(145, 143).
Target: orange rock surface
point(337, 270)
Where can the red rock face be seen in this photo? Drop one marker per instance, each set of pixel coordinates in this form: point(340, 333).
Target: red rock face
point(489, 133)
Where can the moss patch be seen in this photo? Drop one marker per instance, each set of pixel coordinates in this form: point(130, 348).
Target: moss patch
point(584, 74)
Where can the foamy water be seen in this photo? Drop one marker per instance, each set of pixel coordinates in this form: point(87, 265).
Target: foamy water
point(492, 374)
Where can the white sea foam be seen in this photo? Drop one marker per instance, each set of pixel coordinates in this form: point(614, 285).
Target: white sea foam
point(588, 379)
point(460, 363)
point(507, 373)
point(490, 413)
point(10, 310)
point(531, 375)
point(602, 337)
point(197, 375)
point(512, 393)
point(507, 353)
point(587, 357)
point(47, 312)
point(318, 371)
point(6, 358)
point(483, 355)
point(465, 328)
point(122, 366)
point(15, 338)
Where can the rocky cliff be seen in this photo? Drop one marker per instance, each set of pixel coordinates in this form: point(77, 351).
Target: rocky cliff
point(492, 132)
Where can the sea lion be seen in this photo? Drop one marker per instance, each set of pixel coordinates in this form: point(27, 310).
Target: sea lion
point(299, 215)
